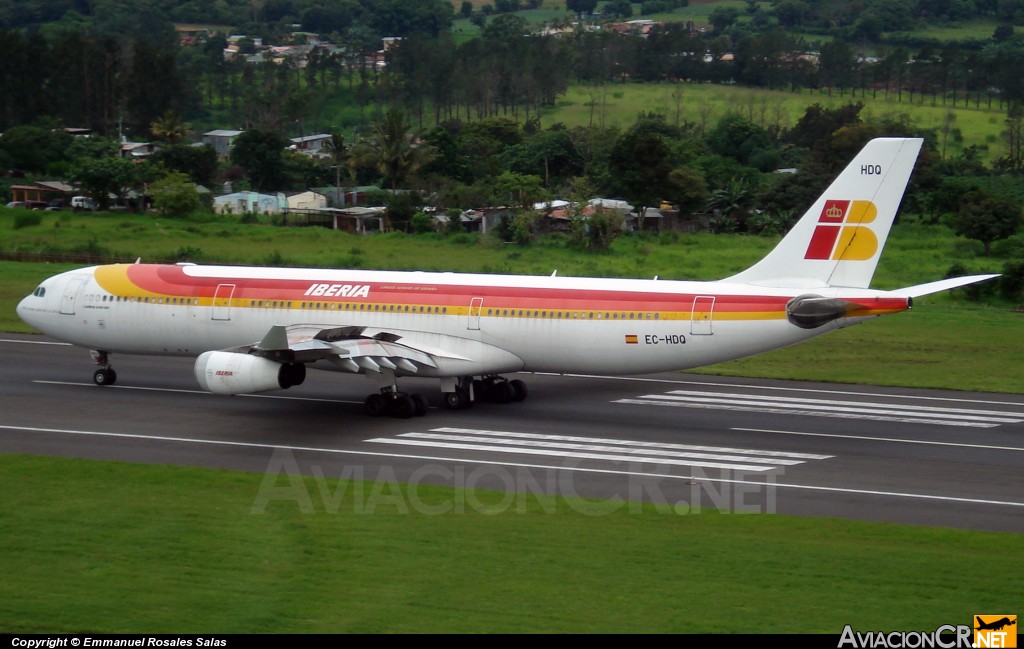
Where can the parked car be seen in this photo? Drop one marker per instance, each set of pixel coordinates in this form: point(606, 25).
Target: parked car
point(83, 203)
point(36, 205)
point(16, 204)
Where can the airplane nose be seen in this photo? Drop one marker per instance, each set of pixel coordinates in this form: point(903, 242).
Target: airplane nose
point(26, 313)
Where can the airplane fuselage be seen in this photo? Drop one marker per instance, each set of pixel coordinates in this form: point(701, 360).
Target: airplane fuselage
point(543, 324)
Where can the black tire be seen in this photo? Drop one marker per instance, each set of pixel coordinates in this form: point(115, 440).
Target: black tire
point(458, 400)
point(519, 388)
point(502, 392)
point(402, 406)
point(104, 376)
point(420, 402)
point(375, 405)
point(452, 400)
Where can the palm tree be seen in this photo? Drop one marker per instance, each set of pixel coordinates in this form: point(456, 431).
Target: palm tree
point(394, 148)
point(170, 127)
point(341, 156)
point(729, 206)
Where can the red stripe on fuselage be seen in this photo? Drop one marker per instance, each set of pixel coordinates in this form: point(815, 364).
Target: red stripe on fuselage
point(173, 281)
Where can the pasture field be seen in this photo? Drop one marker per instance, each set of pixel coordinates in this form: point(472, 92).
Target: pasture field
point(619, 104)
point(108, 547)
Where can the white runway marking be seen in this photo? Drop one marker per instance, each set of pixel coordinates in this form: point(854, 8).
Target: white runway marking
point(572, 469)
point(894, 440)
point(844, 409)
point(783, 388)
point(603, 449)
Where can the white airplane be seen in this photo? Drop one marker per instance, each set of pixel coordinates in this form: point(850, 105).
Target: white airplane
point(257, 329)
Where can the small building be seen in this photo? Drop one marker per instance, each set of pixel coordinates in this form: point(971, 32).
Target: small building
point(313, 145)
point(221, 140)
point(306, 201)
point(250, 202)
point(359, 220)
point(138, 150)
point(44, 190)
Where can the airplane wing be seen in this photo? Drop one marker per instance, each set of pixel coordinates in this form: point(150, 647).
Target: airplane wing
point(350, 348)
point(279, 360)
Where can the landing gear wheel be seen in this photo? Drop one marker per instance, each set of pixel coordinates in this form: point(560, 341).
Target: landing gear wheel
point(104, 376)
point(458, 400)
point(519, 389)
point(375, 405)
point(502, 392)
point(402, 406)
point(421, 404)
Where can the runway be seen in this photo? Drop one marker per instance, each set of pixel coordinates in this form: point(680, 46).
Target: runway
point(681, 442)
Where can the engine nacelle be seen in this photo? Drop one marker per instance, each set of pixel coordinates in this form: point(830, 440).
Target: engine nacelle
point(230, 373)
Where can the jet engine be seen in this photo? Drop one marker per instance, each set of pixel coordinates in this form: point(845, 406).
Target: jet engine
point(813, 311)
point(231, 373)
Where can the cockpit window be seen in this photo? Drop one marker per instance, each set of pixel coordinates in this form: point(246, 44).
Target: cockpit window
point(39, 292)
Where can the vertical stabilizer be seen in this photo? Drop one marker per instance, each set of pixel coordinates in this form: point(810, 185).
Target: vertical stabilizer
point(839, 240)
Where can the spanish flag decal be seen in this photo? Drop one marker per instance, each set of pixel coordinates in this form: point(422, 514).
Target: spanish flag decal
point(631, 339)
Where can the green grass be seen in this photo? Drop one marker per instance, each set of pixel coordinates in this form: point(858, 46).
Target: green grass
point(618, 104)
point(932, 346)
point(120, 548)
point(979, 29)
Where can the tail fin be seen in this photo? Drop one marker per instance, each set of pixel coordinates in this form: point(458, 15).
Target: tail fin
point(839, 240)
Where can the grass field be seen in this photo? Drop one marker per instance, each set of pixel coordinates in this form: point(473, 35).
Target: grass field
point(119, 548)
point(619, 104)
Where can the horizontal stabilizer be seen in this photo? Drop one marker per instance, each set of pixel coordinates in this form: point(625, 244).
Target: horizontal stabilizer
point(941, 285)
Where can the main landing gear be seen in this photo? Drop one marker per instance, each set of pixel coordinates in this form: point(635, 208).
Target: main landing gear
point(105, 375)
point(497, 389)
point(395, 403)
point(459, 394)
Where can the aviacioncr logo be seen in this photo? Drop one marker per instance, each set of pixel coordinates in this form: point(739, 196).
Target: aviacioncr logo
point(843, 233)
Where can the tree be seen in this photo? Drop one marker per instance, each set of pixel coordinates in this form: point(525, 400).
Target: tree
point(340, 156)
point(986, 219)
point(581, 6)
point(619, 8)
point(640, 167)
point(101, 177)
point(261, 154)
point(152, 84)
point(521, 190)
point(170, 128)
point(175, 196)
point(199, 162)
point(33, 148)
point(722, 18)
point(394, 148)
point(689, 189)
point(730, 206)
point(747, 142)
point(402, 18)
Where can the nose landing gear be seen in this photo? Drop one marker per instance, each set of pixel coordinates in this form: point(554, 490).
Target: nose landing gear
point(105, 375)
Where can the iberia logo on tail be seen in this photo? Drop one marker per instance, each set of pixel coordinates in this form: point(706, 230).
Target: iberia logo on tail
point(842, 232)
